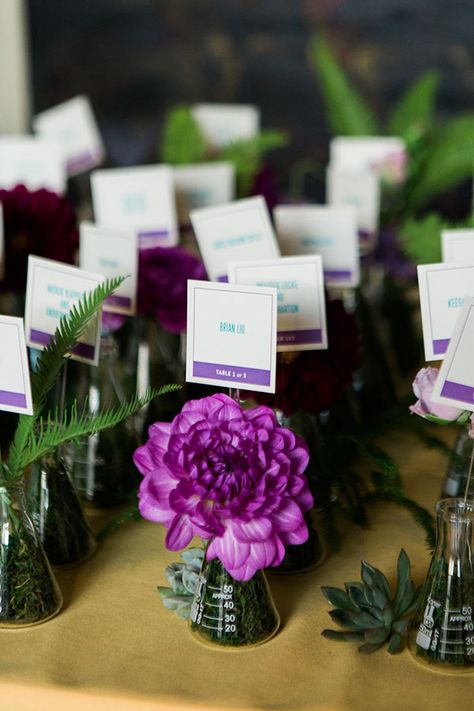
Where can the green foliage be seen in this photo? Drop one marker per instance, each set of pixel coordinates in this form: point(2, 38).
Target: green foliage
point(414, 112)
point(449, 160)
point(183, 579)
point(369, 613)
point(421, 238)
point(347, 112)
point(247, 156)
point(182, 141)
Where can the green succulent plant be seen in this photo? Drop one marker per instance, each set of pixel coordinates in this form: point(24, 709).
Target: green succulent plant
point(368, 613)
point(183, 579)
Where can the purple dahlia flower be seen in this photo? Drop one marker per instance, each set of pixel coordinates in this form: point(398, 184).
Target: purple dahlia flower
point(233, 477)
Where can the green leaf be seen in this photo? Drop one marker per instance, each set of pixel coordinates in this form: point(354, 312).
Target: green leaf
point(347, 112)
point(175, 602)
point(344, 619)
point(403, 578)
point(374, 578)
point(414, 111)
point(340, 636)
point(448, 162)
point(392, 479)
point(247, 156)
point(378, 635)
point(369, 648)
point(182, 141)
point(190, 578)
point(193, 557)
point(421, 238)
point(339, 598)
point(396, 644)
point(364, 620)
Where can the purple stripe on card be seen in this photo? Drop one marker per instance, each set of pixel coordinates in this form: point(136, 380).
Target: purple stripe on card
point(309, 335)
point(233, 373)
point(440, 346)
point(81, 349)
point(82, 162)
point(224, 279)
point(116, 300)
point(465, 393)
point(337, 273)
point(13, 399)
point(150, 234)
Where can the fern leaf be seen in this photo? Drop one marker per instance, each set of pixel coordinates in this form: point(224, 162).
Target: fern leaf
point(421, 238)
point(247, 156)
point(448, 162)
point(347, 112)
point(182, 140)
point(414, 111)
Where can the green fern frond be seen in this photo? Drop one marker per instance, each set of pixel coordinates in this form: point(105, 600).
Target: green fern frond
point(347, 112)
point(414, 111)
point(50, 434)
point(448, 162)
point(247, 156)
point(182, 140)
point(421, 238)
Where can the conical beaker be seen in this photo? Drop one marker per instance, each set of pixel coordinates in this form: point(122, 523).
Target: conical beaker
point(442, 633)
point(230, 613)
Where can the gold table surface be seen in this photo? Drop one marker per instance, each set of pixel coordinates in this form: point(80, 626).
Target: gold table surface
point(115, 647)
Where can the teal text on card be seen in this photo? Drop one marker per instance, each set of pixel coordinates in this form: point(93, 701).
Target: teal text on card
point(109, 263)
point(237, 241)
point(133, 203)
point(230, 327)
point(316, 241)
point(456, 302)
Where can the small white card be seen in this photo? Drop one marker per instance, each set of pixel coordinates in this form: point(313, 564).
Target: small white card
point(52, 289)
point(141, 198)
point(240, 230)
point(455, 382)
point(221, 124)
point(363, 153)
point(360, 190)
point(15, 387)
point(231, 335)
point(301, 304)
point(457, 245)
point(328, 231)
point(112, 252)
point(33, 162)
point(202, 185)
point(72, 124)
point(443, 288)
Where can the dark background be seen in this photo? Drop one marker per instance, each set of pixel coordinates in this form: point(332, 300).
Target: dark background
point(137, 58)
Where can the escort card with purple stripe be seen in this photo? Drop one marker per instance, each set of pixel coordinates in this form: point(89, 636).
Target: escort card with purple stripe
point(301, 323)
point(233, 232)
point(328, 231)
point(139, 198)
point(443, 288)
point(52, 289)
point(455, 382)
point(15, 388)
point(231, 335)
point(112, 252)
point(72, 124)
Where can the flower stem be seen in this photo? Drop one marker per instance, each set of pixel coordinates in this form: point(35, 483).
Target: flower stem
point(468, 482)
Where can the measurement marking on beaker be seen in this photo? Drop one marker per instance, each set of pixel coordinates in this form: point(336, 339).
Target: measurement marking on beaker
point(451, 629)
point(211, 587)
point(209, 617)
point(210, 627)
point(210, 604)
point(446, 651)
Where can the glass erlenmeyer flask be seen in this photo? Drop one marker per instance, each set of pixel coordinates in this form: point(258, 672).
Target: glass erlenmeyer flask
point(442, 633)
point(229, 613)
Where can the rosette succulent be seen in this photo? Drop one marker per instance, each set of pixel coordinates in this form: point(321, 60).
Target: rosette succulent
point(183, 579)
point(230, 475)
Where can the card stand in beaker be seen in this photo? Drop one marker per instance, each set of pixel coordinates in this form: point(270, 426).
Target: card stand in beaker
point(231, 614)
point(442, 634)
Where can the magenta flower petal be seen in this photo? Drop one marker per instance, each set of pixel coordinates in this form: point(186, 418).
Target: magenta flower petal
point(257, 529)
point(180, 533)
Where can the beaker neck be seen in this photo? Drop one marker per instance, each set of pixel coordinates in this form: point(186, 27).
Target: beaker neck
point(455, 531)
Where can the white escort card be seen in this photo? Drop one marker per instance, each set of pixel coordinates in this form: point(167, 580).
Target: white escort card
point(33, 162)
point(202, 185)
point(455, 382)
point(328, 231)
point(360, 190)
point(72, 124)
point(443, 288)
point(301, 309)
point(240, 230)
point(112, 252)
point(221, 124)
point(15, 387)
point(52, 289)
point(363, 153)
point(457, 245)
point(141, 198)
point(231, 335)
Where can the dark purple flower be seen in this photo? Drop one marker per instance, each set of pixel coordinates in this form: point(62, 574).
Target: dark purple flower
point(230, 475)
point(35, 222)
point(163, 273)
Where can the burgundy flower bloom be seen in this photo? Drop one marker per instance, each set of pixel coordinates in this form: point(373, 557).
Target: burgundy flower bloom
point(163, 273)
point(314, 380)
point(38, 222)
point(229, 475)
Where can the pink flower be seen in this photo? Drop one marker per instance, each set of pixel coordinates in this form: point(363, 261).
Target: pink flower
point(392, 169)
point(233, 477)
point(423, 388)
